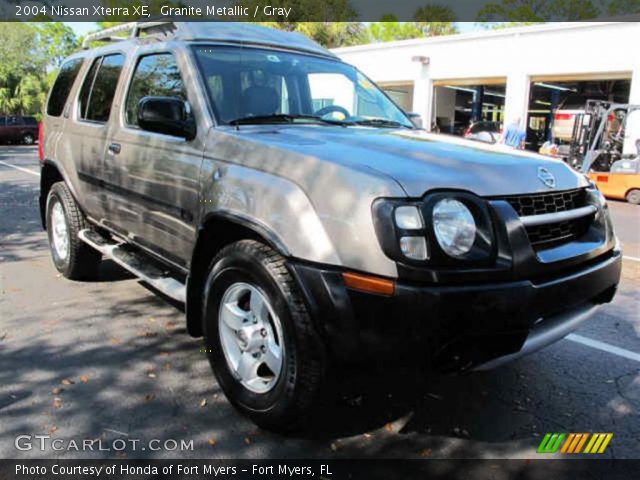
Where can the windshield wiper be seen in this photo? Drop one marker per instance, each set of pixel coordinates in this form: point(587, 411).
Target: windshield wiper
point(379, 122)
point(281, 118)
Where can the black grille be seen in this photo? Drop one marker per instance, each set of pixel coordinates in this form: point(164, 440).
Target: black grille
point(553, 202)
point(552, 234)
point(555, 234)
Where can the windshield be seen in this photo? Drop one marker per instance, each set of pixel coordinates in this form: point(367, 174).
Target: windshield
point(245, 84)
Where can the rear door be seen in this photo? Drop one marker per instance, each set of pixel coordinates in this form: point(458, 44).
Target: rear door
point(89, 130)
point(156, 176)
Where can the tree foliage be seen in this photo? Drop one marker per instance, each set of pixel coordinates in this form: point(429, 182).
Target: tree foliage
point(526, 11)
point(623, 7)
point(340, 31)
point(30, 53)
point(327, 34)
point(429, 20)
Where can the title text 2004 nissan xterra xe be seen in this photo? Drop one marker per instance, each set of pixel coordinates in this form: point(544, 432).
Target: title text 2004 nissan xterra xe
point(302, 218)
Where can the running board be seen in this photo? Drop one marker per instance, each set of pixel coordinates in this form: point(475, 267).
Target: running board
point(136, 263)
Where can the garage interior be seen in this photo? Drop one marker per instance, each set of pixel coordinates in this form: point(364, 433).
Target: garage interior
point(549, 96)
point(457, 104)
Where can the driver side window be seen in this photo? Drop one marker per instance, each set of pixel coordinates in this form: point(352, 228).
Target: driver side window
point(155, 75)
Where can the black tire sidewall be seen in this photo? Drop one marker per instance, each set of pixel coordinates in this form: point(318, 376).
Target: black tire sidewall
point(62, 265)
point(237, 268)
point(633, 197)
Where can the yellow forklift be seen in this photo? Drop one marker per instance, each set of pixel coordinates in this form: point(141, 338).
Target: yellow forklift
point(596, 149)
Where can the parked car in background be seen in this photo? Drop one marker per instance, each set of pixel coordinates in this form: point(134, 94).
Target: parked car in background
point(483, 131)
point(18, 129)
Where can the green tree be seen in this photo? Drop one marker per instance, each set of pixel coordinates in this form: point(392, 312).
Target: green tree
point(56, 41)
point(389, 30)
point(435, 20)
point(623, 7)
point(311, 18)
point(537, 11)
point(304, 11)
point(430, 20)
point(29, 55)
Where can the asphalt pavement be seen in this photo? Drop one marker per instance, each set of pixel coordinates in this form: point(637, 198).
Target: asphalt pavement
point(110, 359)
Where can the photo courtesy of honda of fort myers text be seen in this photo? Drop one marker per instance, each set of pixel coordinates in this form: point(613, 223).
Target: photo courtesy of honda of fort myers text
point(302, 239)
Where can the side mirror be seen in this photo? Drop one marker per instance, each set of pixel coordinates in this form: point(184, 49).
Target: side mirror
point(167, 115)
point(416, 119)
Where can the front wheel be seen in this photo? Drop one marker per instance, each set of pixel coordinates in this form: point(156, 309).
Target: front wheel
point(28, 139)
point(634, 196)
point(262, 345)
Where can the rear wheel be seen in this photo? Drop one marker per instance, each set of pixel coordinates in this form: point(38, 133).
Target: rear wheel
point(28, 139)
point(633, 196)
point(263, 348)
point(71, 257)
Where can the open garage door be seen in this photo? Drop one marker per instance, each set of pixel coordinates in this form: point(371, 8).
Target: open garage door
point(556, 101)
point(470, 107)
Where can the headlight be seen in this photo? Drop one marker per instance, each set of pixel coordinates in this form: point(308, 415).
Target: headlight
point(408, 217)
point(414, 248)
point(454, 227)
point(443, 229)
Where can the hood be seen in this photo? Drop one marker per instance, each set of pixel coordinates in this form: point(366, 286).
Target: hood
point(419, 161)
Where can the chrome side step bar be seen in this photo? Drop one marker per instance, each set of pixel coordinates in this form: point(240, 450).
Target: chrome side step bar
point(546, 218)
point(135, 263)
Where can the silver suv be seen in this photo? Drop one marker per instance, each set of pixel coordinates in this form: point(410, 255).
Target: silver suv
point(301, 217)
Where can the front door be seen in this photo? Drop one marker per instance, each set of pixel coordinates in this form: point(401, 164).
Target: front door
point(156, 175)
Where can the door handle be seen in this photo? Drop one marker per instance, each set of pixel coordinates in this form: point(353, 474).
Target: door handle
point(115, 148)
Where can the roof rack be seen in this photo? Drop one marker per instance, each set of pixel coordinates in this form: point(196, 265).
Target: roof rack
point(237, 33)
point(136, 29)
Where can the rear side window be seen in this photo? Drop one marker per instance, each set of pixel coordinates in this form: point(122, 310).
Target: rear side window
point(62, 86)
point(155, 75)
point(30, 121)
point(99, 88)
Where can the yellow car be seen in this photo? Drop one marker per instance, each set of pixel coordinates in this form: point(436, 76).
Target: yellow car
point(618, 185)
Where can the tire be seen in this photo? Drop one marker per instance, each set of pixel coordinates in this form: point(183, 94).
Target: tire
point(28, 139)
point(633, 196)
point(275, 402)
point(78, 261)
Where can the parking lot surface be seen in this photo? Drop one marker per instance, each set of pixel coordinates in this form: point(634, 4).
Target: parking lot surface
point(111, 359)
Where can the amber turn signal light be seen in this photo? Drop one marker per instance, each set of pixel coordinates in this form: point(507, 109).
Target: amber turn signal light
point(368, 284)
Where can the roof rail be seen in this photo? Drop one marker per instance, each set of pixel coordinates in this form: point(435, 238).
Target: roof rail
point(135, 28)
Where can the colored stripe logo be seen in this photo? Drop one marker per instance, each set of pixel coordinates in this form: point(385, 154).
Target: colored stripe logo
point(574, 443)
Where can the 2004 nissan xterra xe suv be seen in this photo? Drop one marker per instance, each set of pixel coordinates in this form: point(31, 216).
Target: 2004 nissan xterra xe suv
point(303, 219)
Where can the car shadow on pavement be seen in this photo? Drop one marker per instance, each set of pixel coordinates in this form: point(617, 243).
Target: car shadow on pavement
point(143, 377)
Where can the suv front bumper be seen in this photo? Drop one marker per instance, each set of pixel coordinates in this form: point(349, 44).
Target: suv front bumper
point(455, 327)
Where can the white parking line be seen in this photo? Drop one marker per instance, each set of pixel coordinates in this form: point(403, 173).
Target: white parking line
point(605, 347)
point(26, 170)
